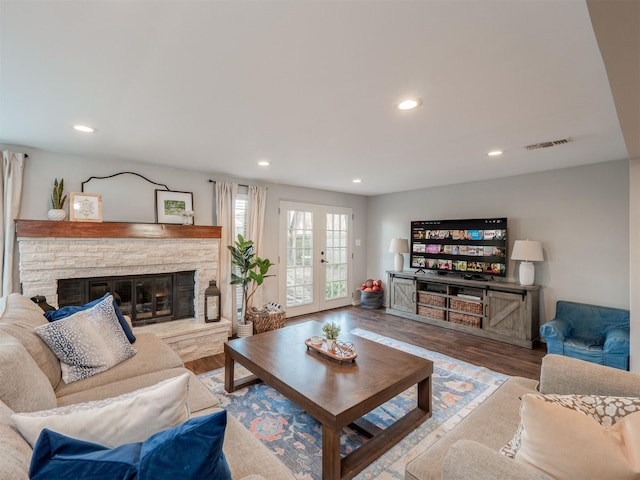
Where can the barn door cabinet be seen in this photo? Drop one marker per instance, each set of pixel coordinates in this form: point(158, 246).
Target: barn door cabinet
point(508, 312)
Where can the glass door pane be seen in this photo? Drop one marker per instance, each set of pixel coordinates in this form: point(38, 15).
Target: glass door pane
point(337, 234)
point(98, 288)
point(299, 258)
point(144, 298)
point(163, 293)
point(124, 288)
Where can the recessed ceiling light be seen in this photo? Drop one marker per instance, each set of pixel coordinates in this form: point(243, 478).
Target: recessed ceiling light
point(84, 128)
point(409, 104)
point(357, 180)
point(264, 163)
point(495, 153)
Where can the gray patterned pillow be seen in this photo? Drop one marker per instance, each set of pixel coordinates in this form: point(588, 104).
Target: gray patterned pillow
point(604, 410)
point(88, 342)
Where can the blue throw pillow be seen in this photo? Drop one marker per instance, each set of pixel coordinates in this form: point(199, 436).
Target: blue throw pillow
point(61, 457)
point(189, 451)
point(64, 312)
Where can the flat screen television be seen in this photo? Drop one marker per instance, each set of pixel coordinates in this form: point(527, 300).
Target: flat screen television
point(475, 247)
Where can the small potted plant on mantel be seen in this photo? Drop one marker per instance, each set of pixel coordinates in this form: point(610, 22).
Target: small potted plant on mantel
point(331, 331)
point(57, 212)
point(250, 274)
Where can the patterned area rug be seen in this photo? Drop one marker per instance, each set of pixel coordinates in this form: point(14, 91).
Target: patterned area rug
point(295, 436)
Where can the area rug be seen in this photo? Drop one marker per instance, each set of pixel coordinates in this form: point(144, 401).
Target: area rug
point(296, 437)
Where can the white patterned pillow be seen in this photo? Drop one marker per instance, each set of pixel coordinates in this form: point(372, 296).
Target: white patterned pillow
point(87, 342)
point(604, 410)
point(567, 444)
point(128, 418)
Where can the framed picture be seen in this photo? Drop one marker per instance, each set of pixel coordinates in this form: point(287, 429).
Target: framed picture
point(174, 207)
point(85, 207)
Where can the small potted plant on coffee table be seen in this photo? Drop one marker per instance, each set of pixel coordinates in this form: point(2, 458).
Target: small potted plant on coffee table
point(331, 331)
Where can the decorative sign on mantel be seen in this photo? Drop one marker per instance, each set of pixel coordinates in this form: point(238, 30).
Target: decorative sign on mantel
point(45, 228)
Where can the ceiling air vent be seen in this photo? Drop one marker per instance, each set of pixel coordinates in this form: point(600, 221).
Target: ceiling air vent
point(536, 146)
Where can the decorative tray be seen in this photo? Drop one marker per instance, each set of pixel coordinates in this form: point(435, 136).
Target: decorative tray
point(342, 351)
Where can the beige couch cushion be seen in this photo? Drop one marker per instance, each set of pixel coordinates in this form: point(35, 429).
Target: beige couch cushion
point(245, 454)
point(15, 453)
point(18, 317)
point(153, 355)
point(492, 423)
point(199, 395)
point(24, 387)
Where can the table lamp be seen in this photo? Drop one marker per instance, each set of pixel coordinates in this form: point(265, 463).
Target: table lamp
point(399, 246)
point(527, 251)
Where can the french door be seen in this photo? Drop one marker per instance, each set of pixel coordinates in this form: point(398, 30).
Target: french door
point(315, 257)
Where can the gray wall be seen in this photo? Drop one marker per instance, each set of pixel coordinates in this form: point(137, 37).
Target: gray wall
point(581, 216)
point(136, 199)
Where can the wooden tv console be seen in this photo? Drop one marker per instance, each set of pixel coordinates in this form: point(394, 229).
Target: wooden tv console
point(508, 312)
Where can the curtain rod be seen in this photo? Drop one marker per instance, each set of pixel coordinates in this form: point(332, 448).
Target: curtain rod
point(240, 184)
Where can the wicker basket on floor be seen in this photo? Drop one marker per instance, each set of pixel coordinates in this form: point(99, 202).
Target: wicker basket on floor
point(266, 321)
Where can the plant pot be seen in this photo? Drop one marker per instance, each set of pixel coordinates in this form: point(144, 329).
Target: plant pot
point(330, 344)
point(57, 214)
point(245, 329)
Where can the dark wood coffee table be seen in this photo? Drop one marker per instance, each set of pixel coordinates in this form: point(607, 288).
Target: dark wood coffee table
point(335, 394)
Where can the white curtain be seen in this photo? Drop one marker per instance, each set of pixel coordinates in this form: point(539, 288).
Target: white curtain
point(225, 201)
point(11, 185)
point(255, 228)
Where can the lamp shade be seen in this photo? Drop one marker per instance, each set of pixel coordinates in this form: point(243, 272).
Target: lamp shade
point(399, 245)
point(527, 251)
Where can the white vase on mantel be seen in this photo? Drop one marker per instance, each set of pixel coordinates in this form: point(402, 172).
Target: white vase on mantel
point(57, 214)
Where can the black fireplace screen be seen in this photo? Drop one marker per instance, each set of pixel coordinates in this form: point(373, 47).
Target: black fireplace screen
point(145, 298)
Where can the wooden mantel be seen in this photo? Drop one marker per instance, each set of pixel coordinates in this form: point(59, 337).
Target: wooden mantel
point(66, 229)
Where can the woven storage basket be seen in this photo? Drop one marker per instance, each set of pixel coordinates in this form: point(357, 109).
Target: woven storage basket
point(464, 306)
point(430, 299)
point(371, 299)
point(265, 322)
point(431, 312)
point(468, 320)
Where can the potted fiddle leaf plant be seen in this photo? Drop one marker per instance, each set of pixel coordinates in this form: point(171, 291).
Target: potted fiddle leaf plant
point(57, 212)
point(249, 273)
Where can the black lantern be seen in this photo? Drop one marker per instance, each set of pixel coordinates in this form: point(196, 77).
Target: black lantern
point(212, 303)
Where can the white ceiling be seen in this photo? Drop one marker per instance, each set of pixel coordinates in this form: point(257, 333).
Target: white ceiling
point(214, 86)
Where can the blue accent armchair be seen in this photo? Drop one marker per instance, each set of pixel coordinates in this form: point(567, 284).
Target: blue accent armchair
point(589, 332)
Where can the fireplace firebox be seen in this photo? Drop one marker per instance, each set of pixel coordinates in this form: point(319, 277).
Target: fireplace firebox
point(145, 298)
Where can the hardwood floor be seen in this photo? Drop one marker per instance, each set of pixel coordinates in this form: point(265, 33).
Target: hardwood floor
point(497, 356)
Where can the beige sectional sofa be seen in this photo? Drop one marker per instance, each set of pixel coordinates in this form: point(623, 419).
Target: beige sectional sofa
point(471, 450)
point(30, 379)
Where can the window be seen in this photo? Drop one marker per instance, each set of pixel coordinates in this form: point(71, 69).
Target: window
point(240, 210)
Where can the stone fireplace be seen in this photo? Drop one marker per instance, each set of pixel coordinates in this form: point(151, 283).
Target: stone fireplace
point(52, 251)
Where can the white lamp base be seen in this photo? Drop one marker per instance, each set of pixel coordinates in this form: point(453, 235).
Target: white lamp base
point(527, 273)
point(399, 262)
